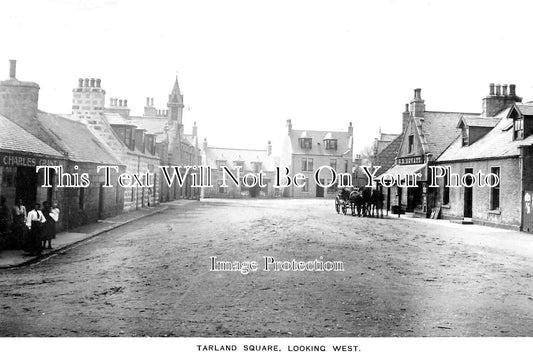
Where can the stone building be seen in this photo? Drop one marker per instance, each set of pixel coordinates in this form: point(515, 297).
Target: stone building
point(133, 146)
point(305, 151)
point(425, 135)
point(30, 137)
point(499, 141)
point(240, 162)
point(173, 145)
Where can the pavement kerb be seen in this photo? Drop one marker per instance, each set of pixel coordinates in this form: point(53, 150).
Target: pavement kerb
point(85, 239)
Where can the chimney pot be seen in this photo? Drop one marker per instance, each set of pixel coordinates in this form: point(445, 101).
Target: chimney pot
point(512, 90)
point(120, 102)
point(126, 102)
point(98, 82)
point(12, 68)
point(80, 82)
point(498, 91)
point(491, 89)
point(504, 90)
point(406, 107)
point(152, 102)
point(92, 82)
point(417, 93)
point(87, 82)
point(110, 101)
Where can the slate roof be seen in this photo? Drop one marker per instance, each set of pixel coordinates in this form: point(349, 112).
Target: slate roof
point(231, 155)
point(344, 142)
point(479, 121)
point(386, 157)
point(496, 143)
point(75, 140)
point(15, 138)
point(438, 129)
point(117, 119)
point(525, 109)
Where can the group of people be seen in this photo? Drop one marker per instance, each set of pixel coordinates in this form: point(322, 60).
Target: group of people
point(32, 231)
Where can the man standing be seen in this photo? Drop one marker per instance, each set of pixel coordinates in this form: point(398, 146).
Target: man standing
point(34, 222)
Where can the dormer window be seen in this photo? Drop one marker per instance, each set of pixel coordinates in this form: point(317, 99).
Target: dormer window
point(518, 129)
point(464, 135)
point(331, 144)
point(306, 142)
point(221, 163)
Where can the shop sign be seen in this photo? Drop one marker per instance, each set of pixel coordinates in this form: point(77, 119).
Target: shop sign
point(26, 160)
point(411, 160)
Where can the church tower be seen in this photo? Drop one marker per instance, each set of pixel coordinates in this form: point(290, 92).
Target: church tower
point(175, 104)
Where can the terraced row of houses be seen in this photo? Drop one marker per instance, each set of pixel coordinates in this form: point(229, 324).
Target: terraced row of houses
point(92, 135)
point(496, 143)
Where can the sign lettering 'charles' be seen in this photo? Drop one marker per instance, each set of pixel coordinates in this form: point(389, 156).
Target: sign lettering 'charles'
point(26, 161)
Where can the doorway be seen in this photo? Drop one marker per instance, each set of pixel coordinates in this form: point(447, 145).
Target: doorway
point(468, 194)
point(320, 189)
point(26, 186)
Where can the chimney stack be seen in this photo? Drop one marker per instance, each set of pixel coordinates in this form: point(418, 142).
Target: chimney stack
point(80, 83)
point(405, 117)
point(289, 126)
point(512, 90)
point(98, 82)
point(350, 129)
point(12, 69)
point(152, 102)
point(499, 99)
point(417, 106)
point(205, 144)
point(194, 130)
point(269, 148)
point(110, 101)
point(87, 82)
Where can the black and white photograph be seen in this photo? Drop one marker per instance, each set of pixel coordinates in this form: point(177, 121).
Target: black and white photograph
point(266, 177)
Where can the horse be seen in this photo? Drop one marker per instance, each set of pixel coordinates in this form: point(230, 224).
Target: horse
point(377, 203)
point(366, 194)
point(356, 201)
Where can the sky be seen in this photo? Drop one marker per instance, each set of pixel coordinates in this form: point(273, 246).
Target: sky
point(245, 67)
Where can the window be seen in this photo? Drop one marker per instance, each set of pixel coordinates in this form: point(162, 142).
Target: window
point(128, 139)
point(411, 143)
point(305, 188)
point(221, 189)
point(221, 163)
point(331, 144)
point(464, 135)
point(518, 128)
point(307, 164)
point(333, 164)
point(305, 142)
point(8, 177)
point(446, 191)
point(495, 191)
